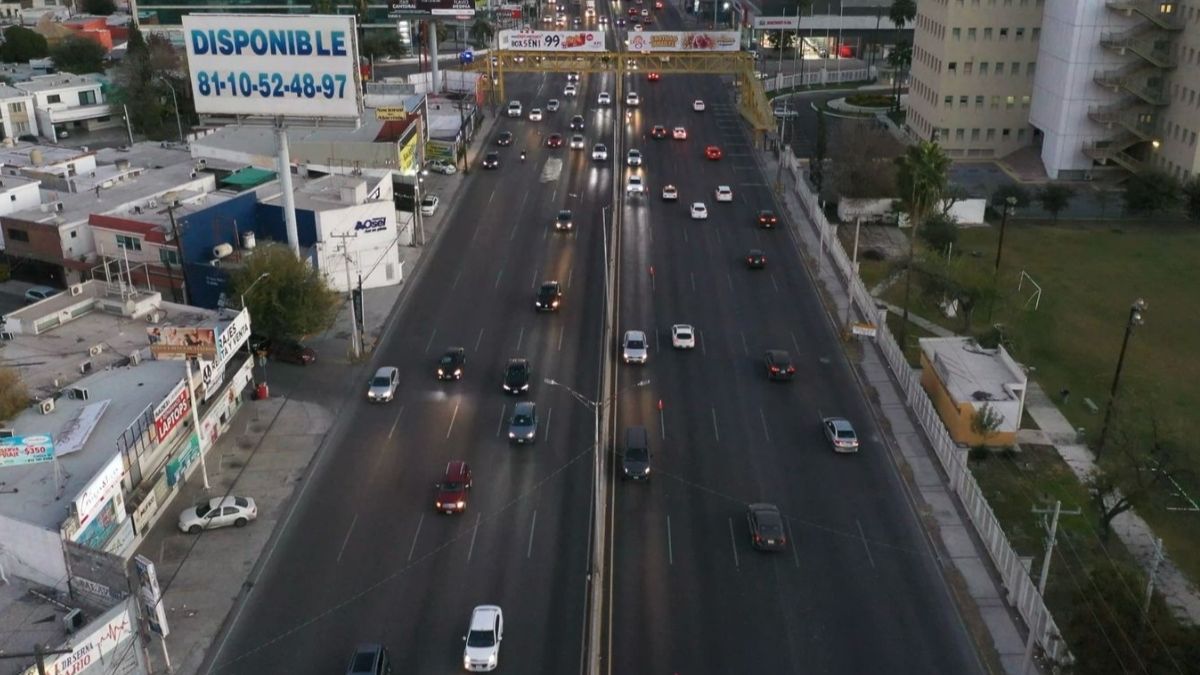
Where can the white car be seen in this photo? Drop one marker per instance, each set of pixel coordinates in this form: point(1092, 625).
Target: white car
point(698, 105)
point(669, 193)
point(635, 185)
point(699, 211)
point(535, 115)
point(429, 205)
point(634, 348)
point(382, 385)
point(514, 108)
point(482, 651)
point(683, 336)
point(632, 99)
point(218, 512)
point(577, 142)
point(679, 133)
point(552, 105)
point(441, 166)
point(724, 193)
point(633, 157)
point(599, 152)
point(569, 90)
point(604, 98)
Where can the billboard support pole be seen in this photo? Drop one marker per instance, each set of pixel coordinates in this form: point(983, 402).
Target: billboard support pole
point(285, 184)
point(196, 419)
point(433, 57)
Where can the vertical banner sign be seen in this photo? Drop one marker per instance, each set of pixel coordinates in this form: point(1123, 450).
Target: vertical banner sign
point(271, 65)
point(151, 596)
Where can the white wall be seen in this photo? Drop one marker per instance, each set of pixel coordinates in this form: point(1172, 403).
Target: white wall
point(1069, 54)
point(18, 197)
point(32, 553)
point(374, 253)
point(1010, 412)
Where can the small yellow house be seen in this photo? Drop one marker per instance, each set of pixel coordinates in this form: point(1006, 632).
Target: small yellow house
point(962, 378)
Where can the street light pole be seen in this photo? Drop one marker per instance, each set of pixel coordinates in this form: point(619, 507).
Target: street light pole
point(175, 102)
point(1010, 203)
point(1135, 319)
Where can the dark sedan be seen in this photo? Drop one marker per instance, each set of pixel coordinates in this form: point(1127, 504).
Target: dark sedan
point(766, 527)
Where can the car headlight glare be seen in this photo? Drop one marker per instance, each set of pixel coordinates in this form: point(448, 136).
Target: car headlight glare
point(512, 434)
point(524, 387)
point(460, 504)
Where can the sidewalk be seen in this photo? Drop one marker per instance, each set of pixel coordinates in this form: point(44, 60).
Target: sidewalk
point(271, 451)
point(969, 571)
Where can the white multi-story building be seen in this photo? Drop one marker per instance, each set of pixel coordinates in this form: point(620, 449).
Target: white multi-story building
point(17, 116)
point(65, 102)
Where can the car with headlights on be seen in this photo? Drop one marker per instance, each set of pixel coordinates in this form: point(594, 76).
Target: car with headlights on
point(452, 491)
point(517, 376)
point(482, 650)
point(577, 142)
point(577, 123)
point(218, 512)
point(503, 138)
point(633, 157)
point(523, 426)
point(491, 160)
point(554, 141)
point(563, 222)
point(549, 296)
point(452, 363)
point(634, 348)
point(514, 109)
point(634, 185)
point(570, 90)
point(382, 386)
point(600, 152)
point(767, 219)
point(604, 98)
point(535, 115)
point(632, 99)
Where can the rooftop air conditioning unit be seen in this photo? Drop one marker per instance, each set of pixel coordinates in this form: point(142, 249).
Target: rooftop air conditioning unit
point(78, 394)
point(95, 350)
point(152, 204)
point(85, 367)
point(73, 620)
point(76, 289)
point(58, 206)
point(46, 406)
point(154, 317)
point(135, 358)
point(6, 335)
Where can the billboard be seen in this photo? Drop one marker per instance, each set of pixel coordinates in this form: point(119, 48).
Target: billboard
point(182, 341)
point(234, 335)
point(435, 7)
point(171, 410)
point(18, 450)
point(254, 64)
point(776, 22)
point(553, 41)
point(682, 41)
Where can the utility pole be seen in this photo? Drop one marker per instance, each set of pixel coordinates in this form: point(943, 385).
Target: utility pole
point(356, 339)
point(853, 273)
point(1050, 539)
point(1135, 319)
point(1158, 557)
point(178, 249)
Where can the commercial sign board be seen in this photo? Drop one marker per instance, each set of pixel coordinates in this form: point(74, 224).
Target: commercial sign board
point(459, 8)
point(407, 156)
point(257, 64)
point(19, 450)
point(104, 646)
point(391, 113)
point(232, 337)
point(682, 41)
point(776, 22)
point(150, 595)
point(171, 410)
point(178, 466)
point(99, 489)
point(178, 342)
point(553, 41)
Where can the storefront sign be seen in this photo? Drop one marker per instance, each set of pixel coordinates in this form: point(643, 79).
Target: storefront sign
point(234, 335)
point(171, 411)
point(677, 41)
point(19, 450)
point(99, 490)
point(178, 466)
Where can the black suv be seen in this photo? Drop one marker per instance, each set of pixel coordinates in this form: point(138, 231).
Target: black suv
point(548, 297)
point(635, 465)
point(779, 365)
point(369, 660)
point(564, 222)
point(577, 123)
point(505, 138)
point(516, 376)
point(491, 160)
point(450, 366)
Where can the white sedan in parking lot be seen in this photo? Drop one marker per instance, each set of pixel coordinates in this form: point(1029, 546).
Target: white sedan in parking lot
point(683, 336)
point(218, 512)
point(699, 211)
point(724, 193)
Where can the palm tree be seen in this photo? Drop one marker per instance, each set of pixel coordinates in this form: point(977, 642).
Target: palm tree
point(902, 13)
point(922, 178)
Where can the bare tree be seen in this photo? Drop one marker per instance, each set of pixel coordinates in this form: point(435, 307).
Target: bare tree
point(1140, 460)
point(865, 164)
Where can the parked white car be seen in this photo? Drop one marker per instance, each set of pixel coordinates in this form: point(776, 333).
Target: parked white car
point(441, 166)
point(683, 336)
point(699, 211)
point(482, 650)
point(218, 512)
point(429, 205)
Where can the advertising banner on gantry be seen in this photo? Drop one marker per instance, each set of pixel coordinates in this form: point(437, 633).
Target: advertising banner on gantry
point(552, 41)
point(680, 41)
point(272, 65)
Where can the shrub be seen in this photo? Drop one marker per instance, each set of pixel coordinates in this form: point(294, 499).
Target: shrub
point(13, 395)
point(870, 100)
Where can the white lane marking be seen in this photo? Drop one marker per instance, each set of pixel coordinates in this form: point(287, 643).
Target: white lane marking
point(657, 343)
point(500, 425)
point(763, 417)
point(456, 277)
point(700, 339)
point(718, 232)
point(693, 276)
point(398, 416)
point(774, 283)
point(570, 274)
point(561, 331)
point(670, 550)
point(685, 237)
point(795, 552)
point(716, 431)
point(499, 273)
point(412, 549)
point(474, 532)
point(549, 411)
point(430, 343)
point(453, 416)
point(512, 234)
point(479, 340)
point(532, 527)
point(347, 539)
point(864, 541)
point(745, 347)
point(533, 281)
point(520, 338)
point(796, 344)
point(662, 424)
point(733, 544)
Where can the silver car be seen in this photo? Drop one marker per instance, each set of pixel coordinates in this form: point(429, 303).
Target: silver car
point(840, 434)
point(634, 348)
point(382, 386)
point(524, 425)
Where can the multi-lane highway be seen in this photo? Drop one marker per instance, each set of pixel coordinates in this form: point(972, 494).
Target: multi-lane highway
point(364, 557)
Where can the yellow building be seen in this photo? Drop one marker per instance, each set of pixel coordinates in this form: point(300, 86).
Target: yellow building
point(962, 378)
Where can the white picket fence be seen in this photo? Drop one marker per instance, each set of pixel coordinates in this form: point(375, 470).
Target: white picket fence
point(819, 76)
point(1022, 591)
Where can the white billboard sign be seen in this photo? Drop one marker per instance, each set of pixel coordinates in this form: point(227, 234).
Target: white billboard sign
point(553, 41)
point(776, 22)
point(683, 41)
point(99, 490)
point(106, 645)
point(254, 64)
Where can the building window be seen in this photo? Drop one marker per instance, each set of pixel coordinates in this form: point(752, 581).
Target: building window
point(979, 102)
point(957, 33)
point(971, 34)
point(1029, 68)
point(1025, 102)
point(1010, 102)
point(975, 134)
point(999, 68)
point(74, 233)
point(1020, 34)
point(991, 134)
point(87, 97)
point(1020, 135)
point(948, 101)
point(22, 128)
point(1004, 133)
point(995, 102)
point(53, 98)
point(18, 235)
point(1014, 69)
point(1035, 33)
point(983, 68)
point(987, 34)
point(962, 101)
point(968, 67)
point(952, 67)
point(1003, 34)
point(958, 134)
point(168, 256)
point(129, 243)
point(18, 107)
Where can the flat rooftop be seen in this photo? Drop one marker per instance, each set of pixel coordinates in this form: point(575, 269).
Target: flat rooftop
point(40, 494)
point(325, 192)
point(26, 621)
point(260, 140)
point(145, 154)
point(19, 155)
point(971, 372)
point(42, 83)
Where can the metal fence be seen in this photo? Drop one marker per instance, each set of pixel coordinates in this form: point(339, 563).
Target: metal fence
point(818, 77)
point(1021, 589)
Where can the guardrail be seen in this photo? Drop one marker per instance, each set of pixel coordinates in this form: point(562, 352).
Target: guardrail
point(818, 77)
point(1022, 591)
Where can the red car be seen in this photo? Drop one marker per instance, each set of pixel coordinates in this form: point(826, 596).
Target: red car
point(452, 491)
point(712, 152)
point(658, 4)
point(653, 77)
point(658, 131)
point(554, 141)
point(767, 218)
point(633, 11)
